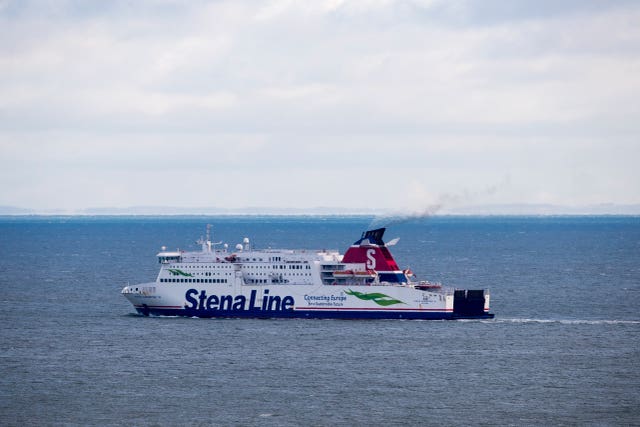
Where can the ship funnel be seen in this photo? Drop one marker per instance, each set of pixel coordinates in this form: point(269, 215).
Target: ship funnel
point(371, 251)
point(372, 237)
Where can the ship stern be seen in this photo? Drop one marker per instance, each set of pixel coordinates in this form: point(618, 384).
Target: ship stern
point(471, 304)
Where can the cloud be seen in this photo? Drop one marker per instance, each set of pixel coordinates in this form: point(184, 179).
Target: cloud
point(371, 97)
point(226, 63)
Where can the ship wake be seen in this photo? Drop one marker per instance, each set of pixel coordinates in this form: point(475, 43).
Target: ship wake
point(569, 321)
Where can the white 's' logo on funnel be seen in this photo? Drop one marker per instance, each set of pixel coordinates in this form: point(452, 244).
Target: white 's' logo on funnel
point(371, 261)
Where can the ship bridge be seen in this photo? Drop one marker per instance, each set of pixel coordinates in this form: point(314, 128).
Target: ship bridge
point(165, 257)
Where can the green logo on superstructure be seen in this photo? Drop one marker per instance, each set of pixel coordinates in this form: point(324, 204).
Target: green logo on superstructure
point(177, 272)
point(378, 298)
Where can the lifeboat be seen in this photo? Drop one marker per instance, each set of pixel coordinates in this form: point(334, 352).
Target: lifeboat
point(352, 273)
point(427, 286)
point(343, 273)
point(366, 273)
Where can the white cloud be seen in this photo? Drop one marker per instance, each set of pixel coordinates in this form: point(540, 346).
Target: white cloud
point(335, 102)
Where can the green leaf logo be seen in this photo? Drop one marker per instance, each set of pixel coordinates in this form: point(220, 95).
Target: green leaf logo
point(177, 272)
point(378, 298)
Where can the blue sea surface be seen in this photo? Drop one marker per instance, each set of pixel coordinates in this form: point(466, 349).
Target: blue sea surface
point(564, 348)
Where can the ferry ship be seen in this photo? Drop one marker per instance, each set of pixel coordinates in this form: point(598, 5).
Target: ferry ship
point(364, 283)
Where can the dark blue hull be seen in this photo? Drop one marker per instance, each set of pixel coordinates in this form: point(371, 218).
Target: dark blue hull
point(310, 314)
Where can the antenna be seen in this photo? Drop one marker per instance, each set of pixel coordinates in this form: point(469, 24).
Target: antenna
point(206, 243)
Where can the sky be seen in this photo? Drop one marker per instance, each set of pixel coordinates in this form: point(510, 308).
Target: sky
point(373, 104)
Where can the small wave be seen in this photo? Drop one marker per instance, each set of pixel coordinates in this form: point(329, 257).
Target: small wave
point(132, 315)
point(570, 321)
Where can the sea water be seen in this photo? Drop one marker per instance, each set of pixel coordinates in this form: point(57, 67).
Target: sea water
point(564, 348)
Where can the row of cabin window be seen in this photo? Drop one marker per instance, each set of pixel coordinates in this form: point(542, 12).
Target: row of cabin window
point(278, 267)
point(193, 280)
point(199, 266)
point(253, 281)
point(191, 267)
point(290, 267)
point(285, 275)
point(207, 273)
